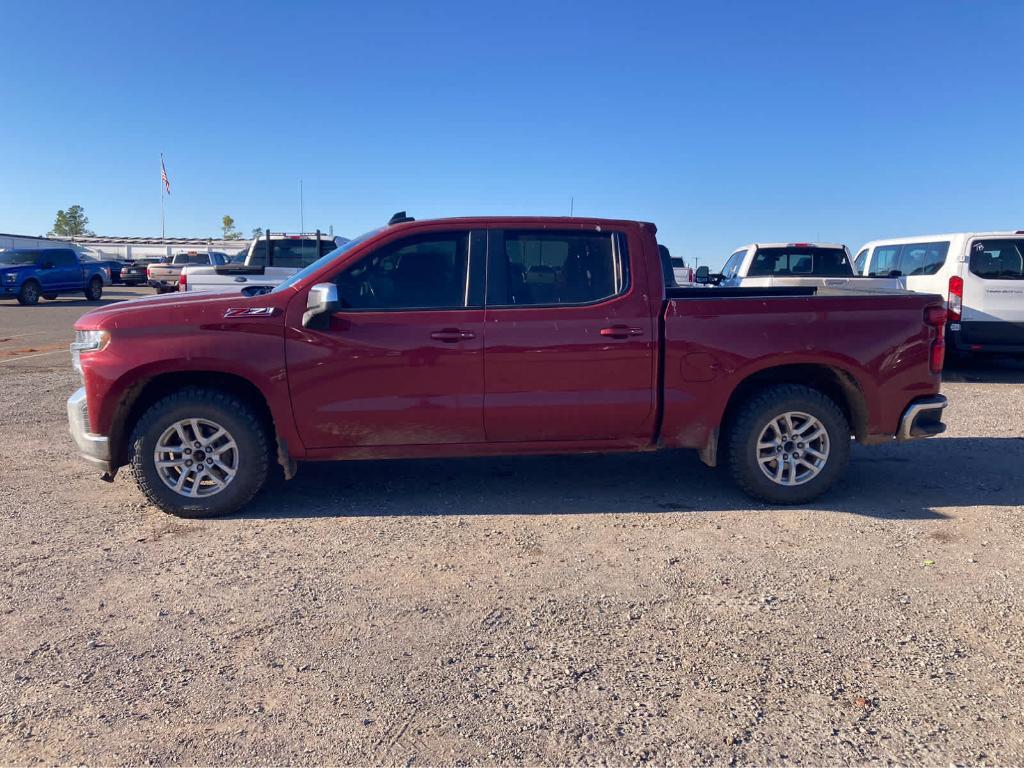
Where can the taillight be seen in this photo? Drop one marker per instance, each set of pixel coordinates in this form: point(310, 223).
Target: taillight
point(935, 317)
point(955, 302)
point(182, 281)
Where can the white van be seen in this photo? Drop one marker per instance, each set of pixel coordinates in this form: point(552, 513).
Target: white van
point(980, 274)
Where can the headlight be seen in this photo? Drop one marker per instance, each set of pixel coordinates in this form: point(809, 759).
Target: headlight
point(11, 278)
point(87, 341)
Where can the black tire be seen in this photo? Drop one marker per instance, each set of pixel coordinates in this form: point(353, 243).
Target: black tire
point(29, 293)
point(94, 290)
point(49, 296)
point(234, 415)
point(755, 415)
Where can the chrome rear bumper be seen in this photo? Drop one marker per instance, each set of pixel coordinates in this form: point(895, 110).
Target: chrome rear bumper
point(923, 418)
point(93, 448)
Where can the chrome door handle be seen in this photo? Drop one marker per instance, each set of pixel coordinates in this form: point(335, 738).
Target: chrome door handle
point(621, 332)
point(452, 335)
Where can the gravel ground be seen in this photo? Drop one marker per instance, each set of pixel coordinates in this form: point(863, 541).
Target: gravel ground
point(601, 609)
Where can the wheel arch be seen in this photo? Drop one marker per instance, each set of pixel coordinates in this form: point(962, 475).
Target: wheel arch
point(838, 384)
point(137, 398)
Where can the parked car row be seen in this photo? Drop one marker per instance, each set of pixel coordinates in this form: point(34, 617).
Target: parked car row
point(980, 275)
point(501, 335)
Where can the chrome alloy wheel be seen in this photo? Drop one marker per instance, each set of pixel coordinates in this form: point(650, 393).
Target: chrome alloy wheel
point(793, 448)
point(196, 457)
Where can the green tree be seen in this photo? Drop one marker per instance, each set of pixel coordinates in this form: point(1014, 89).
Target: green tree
point(228, 225)
point(258, 232)
point(71, 223)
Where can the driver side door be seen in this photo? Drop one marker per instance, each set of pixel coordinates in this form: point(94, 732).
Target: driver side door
point(401, 362)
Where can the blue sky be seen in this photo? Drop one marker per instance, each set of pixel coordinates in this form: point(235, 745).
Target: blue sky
point(724, 123)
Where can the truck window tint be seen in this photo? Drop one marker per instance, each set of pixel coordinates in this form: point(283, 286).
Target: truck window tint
point(885, 260)
point(60, 258)
point(922, 258)
point(998, 259)
point(423, 272)
point(562, 267)
point(817, 262)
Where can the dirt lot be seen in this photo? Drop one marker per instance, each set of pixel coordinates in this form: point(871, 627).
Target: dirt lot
point(606, 609)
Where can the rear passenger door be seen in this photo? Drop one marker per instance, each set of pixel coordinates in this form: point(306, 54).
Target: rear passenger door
point(569, 337)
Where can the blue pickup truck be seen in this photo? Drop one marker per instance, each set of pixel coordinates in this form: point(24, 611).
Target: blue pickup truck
point(26, 274)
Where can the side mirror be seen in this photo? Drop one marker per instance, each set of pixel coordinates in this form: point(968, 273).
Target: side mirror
point(321, 303)
point(703, 275)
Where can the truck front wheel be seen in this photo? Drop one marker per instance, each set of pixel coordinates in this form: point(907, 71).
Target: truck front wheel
point(788, 444)
point(199, 453)
point(94, 290)
point(29, 293)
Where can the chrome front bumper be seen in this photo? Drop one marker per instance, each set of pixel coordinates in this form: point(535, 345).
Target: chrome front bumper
point(923, 418)
point(93, 448)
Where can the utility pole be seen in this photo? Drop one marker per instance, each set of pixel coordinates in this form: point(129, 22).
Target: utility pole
point(302, 215)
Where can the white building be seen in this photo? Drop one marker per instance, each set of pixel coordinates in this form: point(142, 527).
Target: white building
point(131, 248)
point(126, 248)
point(8, 241)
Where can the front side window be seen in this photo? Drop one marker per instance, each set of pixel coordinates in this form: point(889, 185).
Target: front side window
point(428, 271)
point(732, 266)
point(922, 258)
point(800, 262)
point(550, 268)
point(860, 261)
point(998, 259)
point(885, 260)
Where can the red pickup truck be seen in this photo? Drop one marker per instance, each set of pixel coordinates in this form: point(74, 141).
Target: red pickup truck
point(485, 336)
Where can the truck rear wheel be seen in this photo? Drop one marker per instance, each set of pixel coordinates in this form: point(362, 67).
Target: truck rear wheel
point(199, 453)
point(94, 290)
point(788, 444)
point(29, 293)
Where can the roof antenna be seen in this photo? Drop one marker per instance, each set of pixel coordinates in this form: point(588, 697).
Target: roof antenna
point(572, 202)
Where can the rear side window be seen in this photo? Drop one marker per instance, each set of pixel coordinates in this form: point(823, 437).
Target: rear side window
point(800, 262)
point(922, 258)
point(546, 268)
point(1001, 259)
point(909, 259)
point(885, 260)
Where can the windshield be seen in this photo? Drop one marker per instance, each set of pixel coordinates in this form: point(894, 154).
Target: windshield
point(15, 258)
point(325, 259)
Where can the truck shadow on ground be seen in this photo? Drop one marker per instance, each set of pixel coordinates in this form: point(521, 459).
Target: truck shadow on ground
point(904, 482)
point(985, 370)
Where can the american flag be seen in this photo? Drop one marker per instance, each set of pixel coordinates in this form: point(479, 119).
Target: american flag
point(163, 175)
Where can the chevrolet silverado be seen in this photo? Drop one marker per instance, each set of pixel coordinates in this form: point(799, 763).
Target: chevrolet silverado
point(485, 336)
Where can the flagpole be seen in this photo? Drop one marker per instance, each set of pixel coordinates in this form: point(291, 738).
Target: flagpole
point(163, 236)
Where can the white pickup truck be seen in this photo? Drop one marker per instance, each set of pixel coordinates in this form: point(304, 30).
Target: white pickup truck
point(269, 261)
point(792, 265)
